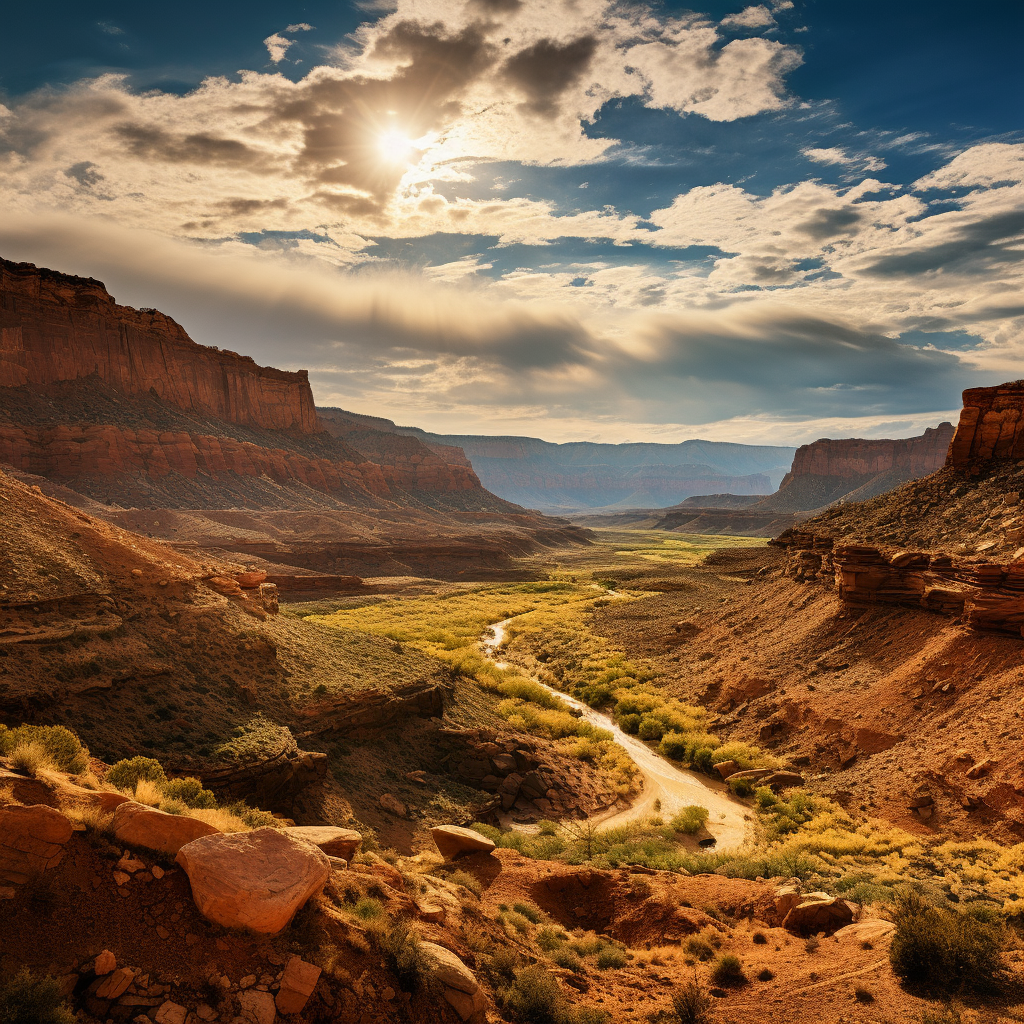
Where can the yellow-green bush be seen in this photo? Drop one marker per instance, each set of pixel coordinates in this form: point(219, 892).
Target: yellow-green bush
point(62, 746)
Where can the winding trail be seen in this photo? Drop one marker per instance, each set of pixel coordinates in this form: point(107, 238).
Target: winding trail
point(674, 787)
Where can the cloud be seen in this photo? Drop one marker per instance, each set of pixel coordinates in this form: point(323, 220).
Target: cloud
point(545, 70)
point(277, 46)
point(109, 28)
point(752, 17)
point(837, 155)
point(300, 27)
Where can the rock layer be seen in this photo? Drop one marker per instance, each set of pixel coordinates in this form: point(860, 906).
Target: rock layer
point(58, 327)
point(991, 426)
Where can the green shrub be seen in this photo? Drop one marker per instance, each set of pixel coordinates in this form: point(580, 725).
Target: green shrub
point(550, 937)
point(741, 787)
point(532, 914)
point(568, 960)
point(690, 820)
point(62, 747)
point(650, 728)
point(674, 745)
point(699, 948)
point(692, 1004)
point(944, 951)
point(630, 724)
point(466, 880)
point(26, 999)
point(759, 939)
point(127, 773)
point(728, 970)
point(368, 909)
point(190, 792)
point(517, 921)
point(402, 955)
point(765, 975)
point(534, 997)
point(611, 957)
point(765, 797)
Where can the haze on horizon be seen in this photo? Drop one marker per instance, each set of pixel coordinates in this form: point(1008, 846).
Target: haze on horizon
point(572, 219)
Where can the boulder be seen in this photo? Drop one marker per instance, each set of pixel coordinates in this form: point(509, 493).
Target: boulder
point(105, 963)
point(726, 768)
point(458, 983)
point(786, 898)
point(256, 880)
point(31, 840)
point(170, 1013)
point(257, 1007)
point(140, 825)
point(453, 840)
point(335, 842)
point(819, 912)
point(103, 800)
point(390, 803)
point(114, 984)
point(297, 985)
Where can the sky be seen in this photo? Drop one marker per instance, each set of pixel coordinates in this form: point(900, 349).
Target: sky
point(573, 219)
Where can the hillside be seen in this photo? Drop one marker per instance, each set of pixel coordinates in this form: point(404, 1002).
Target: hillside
point(585, 475)
point(115, 409)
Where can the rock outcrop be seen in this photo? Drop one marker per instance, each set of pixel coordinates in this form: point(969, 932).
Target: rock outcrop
point(989, 595)
point(255, 880)
point(56, 327)
point(991, 427)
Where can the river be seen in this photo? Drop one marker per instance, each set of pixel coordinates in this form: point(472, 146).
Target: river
point(674, 787)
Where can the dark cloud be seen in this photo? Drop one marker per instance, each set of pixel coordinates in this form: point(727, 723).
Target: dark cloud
point(198, 148)
point(84, 173)
point(498, 6)
point(824, 224)
point(795, 366)
point(973, 251)
point(247, 207)
point(545, 70)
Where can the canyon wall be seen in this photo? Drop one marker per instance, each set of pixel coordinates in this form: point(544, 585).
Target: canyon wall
point(991, 427)
point(854, 469)
point(56, 327)
point(859, 457)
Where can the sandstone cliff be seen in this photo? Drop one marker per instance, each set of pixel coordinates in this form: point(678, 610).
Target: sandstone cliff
point(57, 327)
point(854, 469)
point(991, 426)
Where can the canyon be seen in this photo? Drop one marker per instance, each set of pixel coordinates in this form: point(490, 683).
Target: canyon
point(116, 409)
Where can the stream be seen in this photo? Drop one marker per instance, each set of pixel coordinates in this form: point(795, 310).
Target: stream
point(674, 787)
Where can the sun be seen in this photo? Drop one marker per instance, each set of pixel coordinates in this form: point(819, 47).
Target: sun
point(395, 146)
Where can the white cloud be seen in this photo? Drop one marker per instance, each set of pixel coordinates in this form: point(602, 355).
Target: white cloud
point(837, 155)
point(752, 17)
point(300, 27)
point(277, 46)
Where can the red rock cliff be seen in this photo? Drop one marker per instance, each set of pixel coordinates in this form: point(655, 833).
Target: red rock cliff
point(858, 457)
point(991, 426)
point(56, 327)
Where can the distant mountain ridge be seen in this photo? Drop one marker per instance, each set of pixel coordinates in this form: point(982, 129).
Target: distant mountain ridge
point(587, 475)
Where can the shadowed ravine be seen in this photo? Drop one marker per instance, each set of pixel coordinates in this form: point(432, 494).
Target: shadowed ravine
point(674, 787)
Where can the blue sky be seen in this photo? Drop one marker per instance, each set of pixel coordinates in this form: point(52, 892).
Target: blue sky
point(576, 220)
